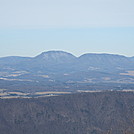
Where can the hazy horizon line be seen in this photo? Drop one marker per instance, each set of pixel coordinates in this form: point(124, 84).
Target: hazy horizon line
point(84, 53)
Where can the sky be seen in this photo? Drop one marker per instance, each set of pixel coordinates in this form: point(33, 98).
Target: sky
point(29, 27)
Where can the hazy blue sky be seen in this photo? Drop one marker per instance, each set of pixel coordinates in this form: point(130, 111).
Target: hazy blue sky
point(28, 27)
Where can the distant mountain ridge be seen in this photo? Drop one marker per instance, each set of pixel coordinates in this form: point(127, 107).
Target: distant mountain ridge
point(61, 57)
point(64, 53)
point(62, 68)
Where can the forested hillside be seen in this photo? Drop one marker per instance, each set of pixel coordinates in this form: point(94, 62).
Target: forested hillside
point(81, 113)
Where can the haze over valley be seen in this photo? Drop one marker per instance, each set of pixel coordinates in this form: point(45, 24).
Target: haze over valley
point(63, 72)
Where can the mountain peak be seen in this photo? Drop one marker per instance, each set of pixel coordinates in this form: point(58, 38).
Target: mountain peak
point(57, 56)
point(102, 55)
point(58, 53)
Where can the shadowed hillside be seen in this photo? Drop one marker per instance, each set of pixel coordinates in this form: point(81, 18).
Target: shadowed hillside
point(83, 113)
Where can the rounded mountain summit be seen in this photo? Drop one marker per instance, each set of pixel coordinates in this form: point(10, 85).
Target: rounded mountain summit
point(56, 57)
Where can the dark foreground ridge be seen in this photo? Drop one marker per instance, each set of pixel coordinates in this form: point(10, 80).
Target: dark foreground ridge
point(81, 113)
